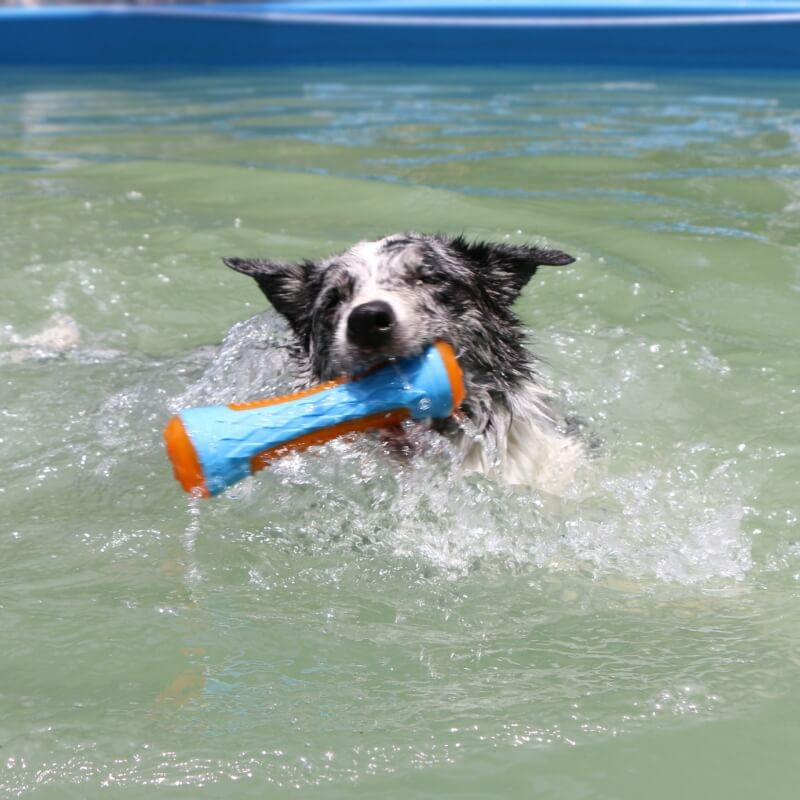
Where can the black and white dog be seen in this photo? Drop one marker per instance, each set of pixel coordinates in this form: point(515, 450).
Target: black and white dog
point(392, 297)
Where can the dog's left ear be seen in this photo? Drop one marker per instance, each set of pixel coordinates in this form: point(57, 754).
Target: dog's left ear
point(504, 269)
point(286, 286)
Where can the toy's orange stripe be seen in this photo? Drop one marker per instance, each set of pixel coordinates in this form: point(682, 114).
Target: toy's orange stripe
point(273, 401)
point(183, 456)
point(454, 373)
point(382, 419)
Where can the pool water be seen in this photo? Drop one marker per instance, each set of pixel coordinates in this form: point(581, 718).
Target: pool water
point(343, 625)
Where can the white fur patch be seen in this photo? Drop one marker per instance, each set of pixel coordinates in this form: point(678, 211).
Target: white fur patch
point(524, 447)
point(370, 274)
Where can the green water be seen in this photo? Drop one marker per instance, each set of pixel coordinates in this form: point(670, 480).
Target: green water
point(345, 626)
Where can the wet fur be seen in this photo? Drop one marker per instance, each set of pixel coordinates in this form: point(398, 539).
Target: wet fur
point(439, 288)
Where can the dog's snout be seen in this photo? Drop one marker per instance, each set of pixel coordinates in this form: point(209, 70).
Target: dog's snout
point(371, 324)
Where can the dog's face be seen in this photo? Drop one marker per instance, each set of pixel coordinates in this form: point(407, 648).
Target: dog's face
point(392, 297)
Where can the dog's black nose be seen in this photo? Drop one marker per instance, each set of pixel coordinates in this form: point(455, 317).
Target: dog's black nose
point(371, 324)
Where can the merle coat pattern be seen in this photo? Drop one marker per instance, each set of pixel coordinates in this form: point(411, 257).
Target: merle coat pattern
point(392, 297)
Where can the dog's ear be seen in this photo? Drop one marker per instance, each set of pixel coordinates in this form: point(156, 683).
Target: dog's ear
point(287, 286)
point(504, 269)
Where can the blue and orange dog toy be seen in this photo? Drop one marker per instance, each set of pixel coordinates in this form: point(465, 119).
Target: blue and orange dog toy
point(212, 448)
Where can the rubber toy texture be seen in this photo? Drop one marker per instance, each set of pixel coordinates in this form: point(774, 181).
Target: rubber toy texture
point(214, 447)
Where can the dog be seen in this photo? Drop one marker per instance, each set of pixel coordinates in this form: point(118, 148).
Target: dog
point(392, 297)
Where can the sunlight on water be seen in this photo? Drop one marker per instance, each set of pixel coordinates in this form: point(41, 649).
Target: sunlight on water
point(344, 619)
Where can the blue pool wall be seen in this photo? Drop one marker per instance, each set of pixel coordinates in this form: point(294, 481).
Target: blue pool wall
point(236, 35)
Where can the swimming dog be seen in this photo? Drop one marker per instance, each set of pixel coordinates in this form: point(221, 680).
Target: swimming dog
point(392, 297)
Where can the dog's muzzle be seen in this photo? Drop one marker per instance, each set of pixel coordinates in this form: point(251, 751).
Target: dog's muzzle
point(371, 325)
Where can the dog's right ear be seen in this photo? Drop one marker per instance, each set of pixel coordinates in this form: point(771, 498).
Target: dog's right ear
point(287, 286)
point(504, 269)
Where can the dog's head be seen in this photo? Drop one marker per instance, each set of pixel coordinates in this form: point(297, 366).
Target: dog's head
point(392, 297)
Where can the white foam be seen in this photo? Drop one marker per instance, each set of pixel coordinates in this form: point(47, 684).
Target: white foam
point(59, 335)
point(672, 516)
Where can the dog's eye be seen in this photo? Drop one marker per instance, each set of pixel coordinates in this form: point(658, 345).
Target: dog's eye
point(330, 298)
point(422, 278)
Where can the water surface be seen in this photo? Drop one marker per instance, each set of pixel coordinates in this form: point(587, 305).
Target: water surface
point(341, 626)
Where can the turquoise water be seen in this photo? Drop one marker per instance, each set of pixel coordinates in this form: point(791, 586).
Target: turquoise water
point(343, 626)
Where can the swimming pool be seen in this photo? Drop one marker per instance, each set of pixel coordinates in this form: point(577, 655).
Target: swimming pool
point(339, 628)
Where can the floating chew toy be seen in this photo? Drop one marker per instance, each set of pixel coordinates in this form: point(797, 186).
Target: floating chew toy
point(212, 448)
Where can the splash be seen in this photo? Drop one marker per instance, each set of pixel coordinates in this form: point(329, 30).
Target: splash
point(675, 517)
point(59, 335)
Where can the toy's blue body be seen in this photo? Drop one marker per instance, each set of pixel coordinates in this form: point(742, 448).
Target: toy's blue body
point(227, 439)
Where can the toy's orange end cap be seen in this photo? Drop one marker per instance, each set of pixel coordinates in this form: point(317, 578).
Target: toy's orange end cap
point(454, 373)
point(184, 459)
